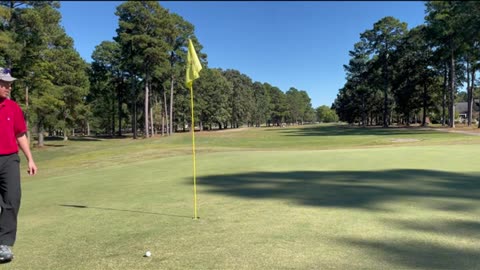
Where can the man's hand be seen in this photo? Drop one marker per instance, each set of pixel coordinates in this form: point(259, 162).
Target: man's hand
point(32, 168)
point(23, 144)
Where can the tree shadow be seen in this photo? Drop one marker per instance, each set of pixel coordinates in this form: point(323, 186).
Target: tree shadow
point(409, 254)
point(53, 138)
point(369, 190)
point(84, 139)
point(73, 138)
point(365, 190)
point(350, 189)
point(122, 210)
point(100, 137)
point(54, 145)
point(343, 130)
point(456, 228)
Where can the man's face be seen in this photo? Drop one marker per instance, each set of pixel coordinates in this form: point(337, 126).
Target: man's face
point(5, 88)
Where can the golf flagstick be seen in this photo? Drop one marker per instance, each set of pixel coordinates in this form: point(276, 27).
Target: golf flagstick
point(193, 68)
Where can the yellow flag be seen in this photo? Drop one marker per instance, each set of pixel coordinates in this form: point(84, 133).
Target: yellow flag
point(193, 65)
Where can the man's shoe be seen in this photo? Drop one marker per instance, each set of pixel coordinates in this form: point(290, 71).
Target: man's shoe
point(6, 254)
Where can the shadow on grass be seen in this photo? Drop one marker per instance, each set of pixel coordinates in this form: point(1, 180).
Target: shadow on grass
point(457, 228)
point(53, 138)
point(342, 130)
point(122, 210)
point(75, 138)
point(408, 254)
point(350, 189)
point(372, 191)
point(86, 138)
point(424, 254)
point(54, 145)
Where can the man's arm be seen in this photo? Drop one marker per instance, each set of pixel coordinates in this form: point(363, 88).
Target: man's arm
point(23, 144)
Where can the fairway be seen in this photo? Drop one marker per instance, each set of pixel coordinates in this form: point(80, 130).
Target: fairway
point(313, 197)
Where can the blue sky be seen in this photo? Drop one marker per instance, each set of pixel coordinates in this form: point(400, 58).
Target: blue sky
point(285, 43)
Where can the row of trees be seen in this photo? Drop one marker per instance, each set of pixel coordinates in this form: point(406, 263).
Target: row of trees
point(53, 74)
point(135, 81)
point(395, 73)
point(140, 75)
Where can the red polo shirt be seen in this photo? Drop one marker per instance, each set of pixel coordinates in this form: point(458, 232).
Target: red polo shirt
point(12, 124)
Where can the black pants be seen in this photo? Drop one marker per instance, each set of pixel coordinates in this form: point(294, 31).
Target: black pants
point(10, 194)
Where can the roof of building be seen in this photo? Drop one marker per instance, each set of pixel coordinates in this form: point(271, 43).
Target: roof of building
point(462, 107)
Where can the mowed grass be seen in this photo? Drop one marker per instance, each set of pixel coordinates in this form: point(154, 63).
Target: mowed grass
point(313, 197)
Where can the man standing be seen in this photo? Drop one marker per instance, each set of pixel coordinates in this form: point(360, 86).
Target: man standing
point(12, 136)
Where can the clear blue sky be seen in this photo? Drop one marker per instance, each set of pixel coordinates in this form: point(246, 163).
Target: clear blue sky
point(286, 43)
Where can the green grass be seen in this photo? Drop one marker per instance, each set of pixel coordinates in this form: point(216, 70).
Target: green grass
point(314, 197)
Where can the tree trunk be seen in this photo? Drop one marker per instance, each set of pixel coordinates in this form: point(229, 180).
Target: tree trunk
point(134, 107)
point(452, 90)
point(163, 123)
point(41, 141)
point(134, 126)
point(424, 118)
point(146, 133)
point(88, 128)
point(444, 94)
point(473, 88)
point(385, 94)
point(166, 112)
point(469, 98)
point(171, 103)
point(112, 132)
point(119, 114)
point(65, 134)
point(151, 121)
point(364, 113)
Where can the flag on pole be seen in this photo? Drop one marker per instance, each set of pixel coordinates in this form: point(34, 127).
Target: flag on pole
point(193, 65)
point(193, 68)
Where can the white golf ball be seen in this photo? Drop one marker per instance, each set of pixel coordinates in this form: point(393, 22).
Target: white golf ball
point(148, 254)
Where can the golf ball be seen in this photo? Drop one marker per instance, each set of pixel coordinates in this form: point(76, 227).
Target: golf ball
point(148, 254)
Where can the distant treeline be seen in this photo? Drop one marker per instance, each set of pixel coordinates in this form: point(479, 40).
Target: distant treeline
point(395, 74)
